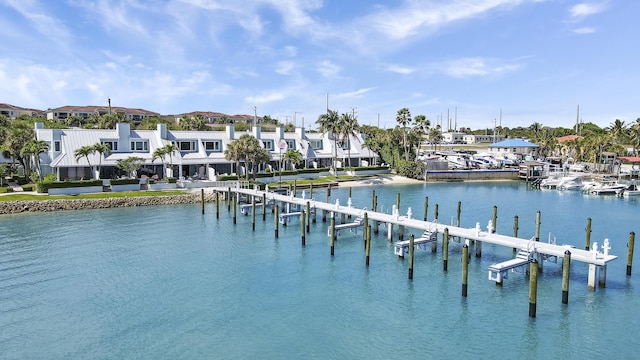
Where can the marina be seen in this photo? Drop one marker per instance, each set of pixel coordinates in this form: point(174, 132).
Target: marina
point(169, 281)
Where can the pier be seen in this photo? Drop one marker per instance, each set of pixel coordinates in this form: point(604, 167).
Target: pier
point(535, 250)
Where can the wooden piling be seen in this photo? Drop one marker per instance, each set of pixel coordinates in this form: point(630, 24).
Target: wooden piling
point(253, 213)
point(332, 229)
point(217, 206)
point(445, 249)
point(365, 223)
point(515, 230)
point(311, 190)
point(324, 212)
point(295, 188)
point(426, 208)
point(349, 216)
point(566, 266)
point(459, 211)
point(373, 200)
point(411, 250)
point(398, 202)
point(376, 223)
point(276, 223)
point(202, 199)
point(264, 207)
point(478, 248)
point(308, 215)
point(435, 215)
point(538, 225)
point(235, 206)
point(400, 232)
point(533, 287)
point(367, 249)
point(229, 199)
point(465, 269)
point(342, 218)
point(630, 245)
point(494, 219)
point(302, 226)
point(587, 241)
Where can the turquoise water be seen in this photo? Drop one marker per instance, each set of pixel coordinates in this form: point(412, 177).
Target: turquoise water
point(168, 282)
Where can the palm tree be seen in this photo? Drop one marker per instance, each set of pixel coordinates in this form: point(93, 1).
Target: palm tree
point(329, 124)
point(618, 130)
point(84, 152)
point(292, 156)
point(634, 136)
point(34, 148)
point(169, 150)
point(420, 127)
point(102, 150)
point(231, 153)
point(403, 117)
point(348, 128)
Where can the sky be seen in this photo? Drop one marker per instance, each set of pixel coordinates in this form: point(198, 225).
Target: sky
point(468, 63)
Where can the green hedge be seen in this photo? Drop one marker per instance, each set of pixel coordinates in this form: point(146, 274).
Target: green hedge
point(28, 187)
point(366, 168)
point(263, 175)
point(228, 177)
point(43, 187)
point(125, 181)
point(5, 190)
point(170, 180)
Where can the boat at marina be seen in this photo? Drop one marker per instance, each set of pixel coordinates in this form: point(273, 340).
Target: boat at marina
point(606, 187)
point(630, 190)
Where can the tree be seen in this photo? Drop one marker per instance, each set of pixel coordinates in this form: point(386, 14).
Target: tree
point(403, 117)
point(85, 152)
point(20, 132)
point(33, 149)
point(618, 130)
point(293, 157)
point(329, 124)
point(169, 149)
point(232, 153)
point(129, 165)
point(420, 128)
point(102, 150)
point(634, 136)
point(348, 128)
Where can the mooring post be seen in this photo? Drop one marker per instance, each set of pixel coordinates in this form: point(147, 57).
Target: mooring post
point(400, 232)
point(538, 225)
point(435, 214)
point(365, 223)
point(376, 223)
point(217, 205)
point(295, 188)
point(445, 249)
point(308, 215)
point(234, 211)
point(478, 248)
point(367, 249)
point(426, 208)
point(302, 232)
point(264, 207)
point(398, 202)
point(515, 230)
point(332, 229)
point(465, 269)
point(253, 213)
point(494, 219)
point(343, 218)
point(275, 220)
point(349, 199)
point(324, 212)
point(566, 267)
point(390, 231)
point(229, 199)
point(311, 190)
point(533, 287)
point(602, 276)
point(587, 241)
point(202, 199)
point(411, 256)
point(373, 200)
point(434, 244)
point(459, 211)
point(630, 245)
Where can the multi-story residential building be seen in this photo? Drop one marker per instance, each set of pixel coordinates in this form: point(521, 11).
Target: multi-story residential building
point(12, 111)
point(83, 112)
point(196, 149)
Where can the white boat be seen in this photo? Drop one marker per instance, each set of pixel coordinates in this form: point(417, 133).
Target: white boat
point(607, 187)
point(571, 183)
point(630, 190)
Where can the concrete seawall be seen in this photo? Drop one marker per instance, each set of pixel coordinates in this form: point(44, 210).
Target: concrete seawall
point(472, 175)
point(15, 207)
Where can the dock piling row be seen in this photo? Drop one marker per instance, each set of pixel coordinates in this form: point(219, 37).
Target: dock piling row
point(630, 245)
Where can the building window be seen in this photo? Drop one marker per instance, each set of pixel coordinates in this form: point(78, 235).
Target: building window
point(291, 144)
point(315, 144)
point(514, 150)
point(112, 144)
point(56, 146)
point(212, 145)
point(139, 145)
point(268, 144)
point(186, 145)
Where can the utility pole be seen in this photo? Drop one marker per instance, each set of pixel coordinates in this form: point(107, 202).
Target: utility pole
point(109, 101)
point(255, 115)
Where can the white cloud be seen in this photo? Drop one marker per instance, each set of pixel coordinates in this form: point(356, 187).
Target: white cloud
point(264, 98)
point(400, 69)
point(285, 67)
point(48, 26)
point(584, 30)
point(328, 69)
point(468, 67)
point(352, 94)
point(585, 9)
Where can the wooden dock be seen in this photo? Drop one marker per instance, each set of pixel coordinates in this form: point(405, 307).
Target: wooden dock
point(594, 258)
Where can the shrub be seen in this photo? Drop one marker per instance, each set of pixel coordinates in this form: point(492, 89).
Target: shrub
point(43, 187)
point(5, 190)
point(170, 180)
point(125, 181)
point(28, 187)
point(49, 178)
point(228, 177)
point(410, 169)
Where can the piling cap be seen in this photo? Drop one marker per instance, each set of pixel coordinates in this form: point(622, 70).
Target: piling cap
point(567, 252)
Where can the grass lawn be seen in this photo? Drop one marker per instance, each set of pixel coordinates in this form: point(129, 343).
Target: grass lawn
point(28, 196)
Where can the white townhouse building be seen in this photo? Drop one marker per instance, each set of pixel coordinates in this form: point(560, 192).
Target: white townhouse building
point(513, 148)
point(200, 153)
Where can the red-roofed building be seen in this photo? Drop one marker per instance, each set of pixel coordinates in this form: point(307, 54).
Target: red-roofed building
point(12, 111)
point(131, 114)
point(562, 139)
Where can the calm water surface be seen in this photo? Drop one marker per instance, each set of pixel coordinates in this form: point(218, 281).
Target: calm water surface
point(168, 282)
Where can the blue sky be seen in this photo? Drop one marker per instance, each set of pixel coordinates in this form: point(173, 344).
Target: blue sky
point(536, 60)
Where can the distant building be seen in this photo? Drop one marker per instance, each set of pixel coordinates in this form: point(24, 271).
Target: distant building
point(513, 148)
point(12, 111)
point(134, 115)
